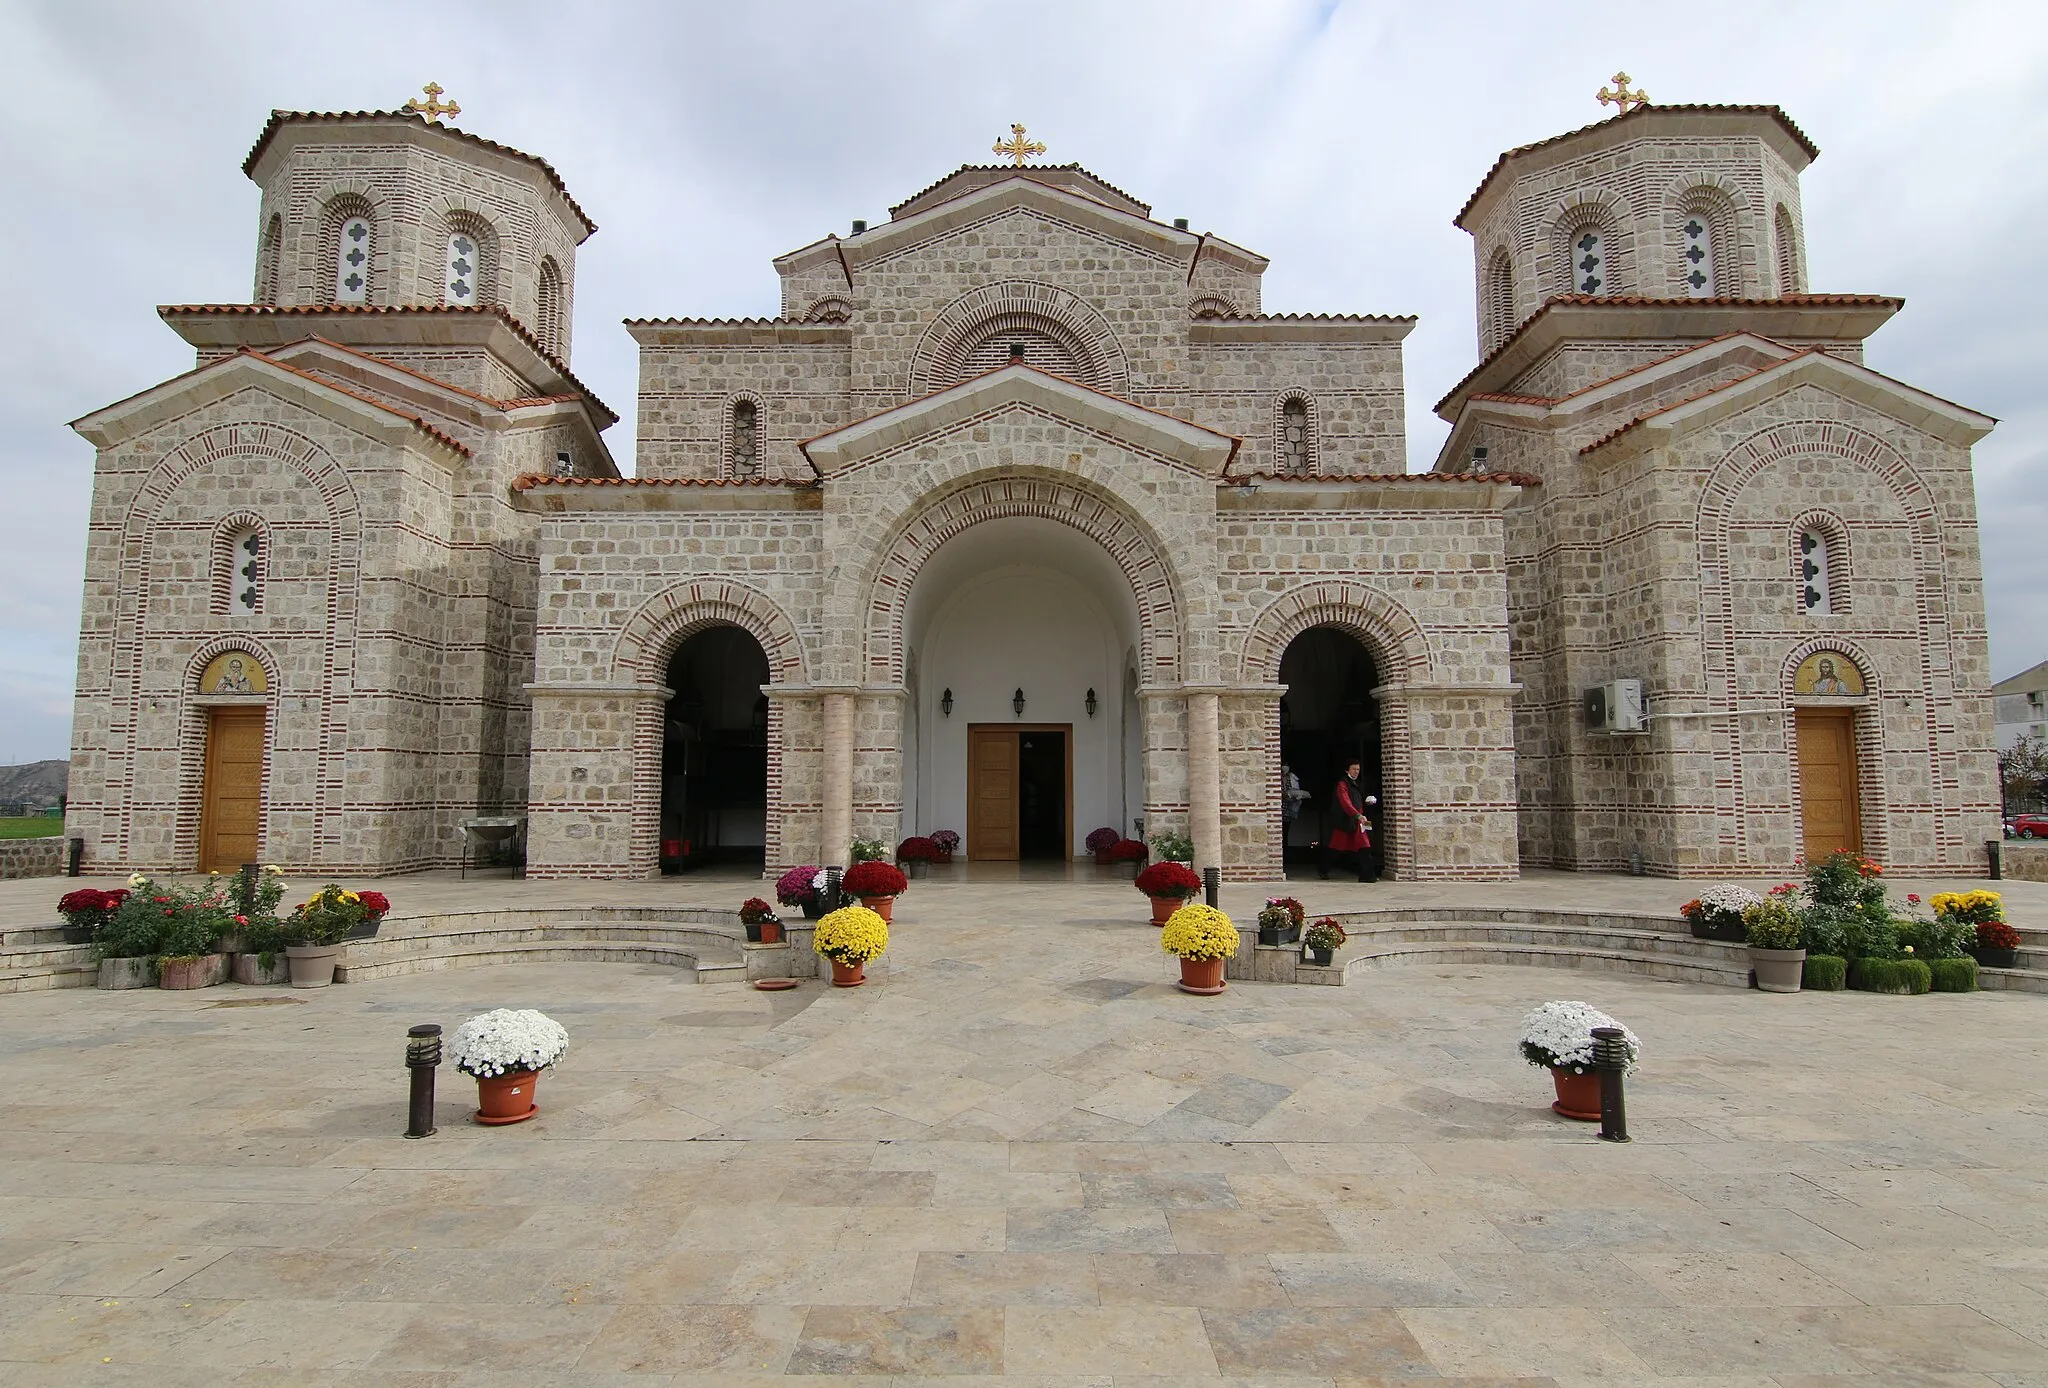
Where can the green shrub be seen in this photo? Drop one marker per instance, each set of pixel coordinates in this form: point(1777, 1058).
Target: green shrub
point(1827, 929)
point(1872, 936)
point(1904, 976)
point(1845, 879)
point(1944, 937)
point(1770, 924)
point(163, 921)
point(1825, 973)
point(1954, 975)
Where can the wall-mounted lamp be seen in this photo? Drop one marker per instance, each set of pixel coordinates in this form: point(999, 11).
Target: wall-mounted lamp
point(946, 702)
point(1017, 703)
point(1091, 702)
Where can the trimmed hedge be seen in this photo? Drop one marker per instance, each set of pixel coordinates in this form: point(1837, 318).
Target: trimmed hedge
point(1825, 973)
point(1955, 975)
point(1903, 976)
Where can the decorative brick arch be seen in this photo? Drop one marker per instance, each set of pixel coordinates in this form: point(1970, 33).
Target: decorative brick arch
point(1211, 306)
point(1068, 500)
point(1593, 207)
point(833, 308)
point(1834, 533)
point(338, 201)
point(1871, 784)
point(222, 561)
point(136, 630)
point(678, 612)
point(942, 353)
point(1726, 209)
point(1400, 655)
point(1390, 633)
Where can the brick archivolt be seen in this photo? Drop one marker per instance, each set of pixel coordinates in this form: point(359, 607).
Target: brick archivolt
point(964, 324)
point(651, 635)
point(1071, 502)
point(1390, 633)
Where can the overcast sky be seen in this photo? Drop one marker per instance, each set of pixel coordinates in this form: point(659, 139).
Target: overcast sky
point(704, 138)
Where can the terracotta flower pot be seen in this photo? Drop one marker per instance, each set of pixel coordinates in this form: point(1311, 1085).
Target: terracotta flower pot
point(1578, 1096)
point(312, 966)
point(1201, 976)
point(506, 1098)
point(846, 975)
point(200, 971)
point(770, 932)
point(883, 906)
point(943, 858)
point(1163, 908)
point(1777, 970)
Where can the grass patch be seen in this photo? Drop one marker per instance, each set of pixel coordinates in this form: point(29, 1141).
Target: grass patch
point(1904, 976)
point(1955, 975)
point(31, 826)
point(1825, 973)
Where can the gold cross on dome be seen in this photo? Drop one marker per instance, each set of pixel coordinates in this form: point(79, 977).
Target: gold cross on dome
point(1017, 147)
point(1621, 96)
point(433, 108)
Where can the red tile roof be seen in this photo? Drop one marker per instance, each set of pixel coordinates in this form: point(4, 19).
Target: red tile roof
point(498, 311)
point(526, 481)
point(1316, 318)
point(1641, 419)
point(1775, 112)
point(279, 119)
point(777, 322)
point(1517, 479)
point(1504, 399)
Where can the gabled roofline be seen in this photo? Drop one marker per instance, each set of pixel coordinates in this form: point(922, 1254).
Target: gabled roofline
point(1198, 448)
point(1144, 209)
point(1794, 317)
point(1944, 419)
point(1139, 231)
point(103, 426)
point(1648, 111)
point(186, 320)
point(279, 119)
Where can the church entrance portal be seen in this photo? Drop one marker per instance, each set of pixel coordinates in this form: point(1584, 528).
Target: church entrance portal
point(230, 815)
point(714, 753)
point(1328, 717)
point(1020, 791)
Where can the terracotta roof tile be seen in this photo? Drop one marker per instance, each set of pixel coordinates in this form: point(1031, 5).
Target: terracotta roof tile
point(279, 119)
point(1503, 399)
point(498, 311)
point(526, 481)
point(777, 322)
point(1518, 479)
point(1641, 419)
point(1316, 318)
point(445, 440)
point(1024, 171)
point(1775, 112)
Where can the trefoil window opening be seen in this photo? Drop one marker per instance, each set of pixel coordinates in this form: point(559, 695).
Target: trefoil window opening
point(1589, 261)
point(1698, 256)
point(464, 266)
point(1814, 577)
point(352, 262)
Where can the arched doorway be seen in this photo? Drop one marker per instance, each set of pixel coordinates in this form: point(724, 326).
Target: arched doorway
point(714, 752)
point(1327, 717)
point(233, 694)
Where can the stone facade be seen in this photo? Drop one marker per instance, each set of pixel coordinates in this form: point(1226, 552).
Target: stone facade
point(465, 609)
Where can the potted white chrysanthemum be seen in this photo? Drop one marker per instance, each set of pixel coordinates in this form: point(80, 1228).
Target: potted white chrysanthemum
point(505, 1050)
point(1559, 1035)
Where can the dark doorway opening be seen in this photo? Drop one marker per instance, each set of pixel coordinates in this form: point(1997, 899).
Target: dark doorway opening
point(1328, 717)
point(1042, 795)
point(714, 752)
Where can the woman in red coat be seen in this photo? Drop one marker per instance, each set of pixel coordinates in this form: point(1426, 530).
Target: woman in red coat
point(1351, 834)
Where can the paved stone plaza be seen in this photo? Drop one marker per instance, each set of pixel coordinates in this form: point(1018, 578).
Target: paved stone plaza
point(1020, 1156)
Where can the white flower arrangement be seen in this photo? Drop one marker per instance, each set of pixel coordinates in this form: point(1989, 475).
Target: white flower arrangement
point(1561, 1034)
point(507, 1039)
point(1728, 899)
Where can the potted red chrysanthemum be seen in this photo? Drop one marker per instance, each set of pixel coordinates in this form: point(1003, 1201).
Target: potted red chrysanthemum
point(1102, 843)
point(877, 884)
point(1168, 884)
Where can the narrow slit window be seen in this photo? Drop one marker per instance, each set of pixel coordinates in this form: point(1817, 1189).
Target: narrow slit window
point(352, 262)
point(1814, 575)
point(243, 558)
point(1698, 256)
point(746, 439)
point(1294, 439)
point(1589, 261)
point(465, 265)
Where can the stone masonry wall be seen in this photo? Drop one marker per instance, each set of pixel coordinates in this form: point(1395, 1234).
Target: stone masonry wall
point(31, 858)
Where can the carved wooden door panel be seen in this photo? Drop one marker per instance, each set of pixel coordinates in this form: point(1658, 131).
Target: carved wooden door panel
point(992, 794)
point(230, 816)
point(1829, 806)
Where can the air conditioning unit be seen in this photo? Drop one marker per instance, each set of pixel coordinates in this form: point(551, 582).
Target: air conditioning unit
point(1616, 707)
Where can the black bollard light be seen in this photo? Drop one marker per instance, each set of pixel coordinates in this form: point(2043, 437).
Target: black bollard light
point(1212, 883)
point(831, 898)
point(422, 1057)
point(1610, 1058)
point(78, 856)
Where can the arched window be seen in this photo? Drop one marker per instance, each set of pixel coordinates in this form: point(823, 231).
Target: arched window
point(238, 570)
point(549, 307)
point(1822, 571)
point(830, 309)
point(1589, 267)
point(469, 267)
point(348, 242)
point(745, 446)
point(1210, 307)
point(268, 251)
point(1788, 252)
point(1295, 448)
point(1499, 308)
point(1696, 254)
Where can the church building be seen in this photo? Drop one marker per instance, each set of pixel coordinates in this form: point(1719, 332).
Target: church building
point(1022, 518)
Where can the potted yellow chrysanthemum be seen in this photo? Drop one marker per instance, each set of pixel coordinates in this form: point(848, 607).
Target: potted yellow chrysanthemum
point(849, 937)
point(1203, 937)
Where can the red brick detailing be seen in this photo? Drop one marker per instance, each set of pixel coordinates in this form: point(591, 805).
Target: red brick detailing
point(962, 325)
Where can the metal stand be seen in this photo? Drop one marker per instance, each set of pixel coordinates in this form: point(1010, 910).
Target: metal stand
point(1212, 883)
point(422, 1057)
point(1610, 1058)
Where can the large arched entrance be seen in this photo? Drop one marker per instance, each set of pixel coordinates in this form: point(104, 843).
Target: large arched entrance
point(1328, 717)
point(714, 751)
point(1017, 633)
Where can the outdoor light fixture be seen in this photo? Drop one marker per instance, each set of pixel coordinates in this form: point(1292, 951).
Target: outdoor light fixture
point(1017, 702)
point(946, 702)
point(1091, 702)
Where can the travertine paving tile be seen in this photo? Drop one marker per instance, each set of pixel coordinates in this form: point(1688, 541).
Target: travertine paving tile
point(676, 1339)
point(1005, 1279)
point(1354, 1343)
point(452, 1335)
point(1688, 1339)
point(1551, 1340)
point(918, 1340)
point(1159, 1340)
point(1187, 1279)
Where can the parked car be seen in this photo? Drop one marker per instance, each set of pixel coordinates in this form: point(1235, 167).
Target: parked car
point(2027, 826)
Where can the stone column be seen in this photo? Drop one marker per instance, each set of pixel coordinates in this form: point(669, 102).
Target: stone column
point(1205, 780)
point(838, 810)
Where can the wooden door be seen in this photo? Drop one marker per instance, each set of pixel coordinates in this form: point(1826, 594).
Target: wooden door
point(992, 794)
point(1829, 807)
point(230, 816)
